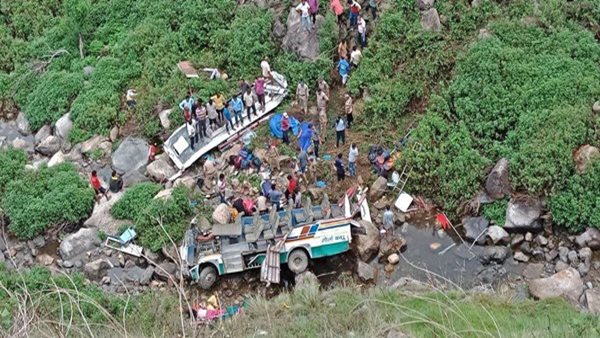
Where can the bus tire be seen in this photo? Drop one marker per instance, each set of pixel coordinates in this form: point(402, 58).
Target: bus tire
point(298, 261)
point(208, 277)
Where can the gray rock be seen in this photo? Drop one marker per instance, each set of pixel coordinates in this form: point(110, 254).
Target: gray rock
point(164, 118)
point(63, 126)
point(526, 248)
point(96, 270)
point(550, 256)
point(498, 184)
point(541, 240)
point(585, 254)
point(560, 266)
point(596, 107)
point(132, 154)
point(221, 214)
point(378, 189)
point(88, 70)
point(367, 244)
point(592, 300)
point(497, 234)
point(583, 268)
point(299, 41)
point(365, 272)
point(101, 217)
point(523, 215)
point(77, 243)
point(49, 146)
point(166, 269)
point(584, 156)
point(425, 4)
point(518, 239)
point(563, 254)
point(134, 177)
point(497, 254)
point(279, 29)
point(24, 143)
point(39, 241)
point(66, 264)
point(521, 257)
point(42, 134)
point(306, 279)
point(589, 238)
point(430, 20)
point(396, 334)
point(160, 170)
point(475, 228)
point(114, 134)
point(566, 283)
point(573, 258)
point(533, 270)
point(57, 159)
point(23, 124)
point(139, 275)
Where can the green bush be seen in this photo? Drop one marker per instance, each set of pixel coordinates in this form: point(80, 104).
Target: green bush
point(47, 197)
point(496, 211)
point(12, 166)
point(135, 200)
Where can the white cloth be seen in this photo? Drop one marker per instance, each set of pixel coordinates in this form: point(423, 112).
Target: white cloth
point(131, 95)
point(303, 8)
point(248, 99)
point(352, 154)
point(362, 26)
point(191, 128)
point(266, 69)
point(355, 57)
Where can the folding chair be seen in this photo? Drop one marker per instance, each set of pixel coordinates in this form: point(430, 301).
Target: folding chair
point(124, 243)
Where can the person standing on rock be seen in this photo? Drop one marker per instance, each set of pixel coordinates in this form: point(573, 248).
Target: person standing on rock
point(191, 129)
point(352, 157)
point(116, 182)
point(340, 131)
point(354, 12)
point(323, 122)
point(250, 104)
point(304, 10)
point(355, 57)
point(201, 120)
point(238, 109)
point(337, 9)
point(95, 181)
point(322, 100)
point(302, 93)
point(266, 68)
point(388, 221)
point(362, 32)
point(212, 114)
point(339, 168)
point(348, 108)
point(261, 204)
point(285, 128)
point(292, 186)
point(344, 70)
point(259, 89)
point(314, 9)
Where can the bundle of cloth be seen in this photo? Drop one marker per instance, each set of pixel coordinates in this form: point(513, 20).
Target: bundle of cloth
point(381, 160)
point(245, 159)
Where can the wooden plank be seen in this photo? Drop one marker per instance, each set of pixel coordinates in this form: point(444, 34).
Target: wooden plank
point(187, 69)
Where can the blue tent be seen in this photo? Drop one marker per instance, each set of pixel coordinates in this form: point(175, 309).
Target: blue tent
point(275, 125)
point(306, 137)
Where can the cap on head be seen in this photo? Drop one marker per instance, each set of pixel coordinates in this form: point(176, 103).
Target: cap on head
point(285, 114)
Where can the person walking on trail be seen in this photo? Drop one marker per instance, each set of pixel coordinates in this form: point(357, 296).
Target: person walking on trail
point(348, 108)
point(292, 186)
point(221, 186)
point(340, 131)
point(388, 221)
point(188, 103)
point(285, 128)
point(219, 101)
point(372, 4)
point(304, 10)
point(191, 129)
point(95, 181)
point(314, 9)
point(316, 140)
point(354, 12)
point(355, 57)
point(249, 103)
point(337, 9)
point(266, 68)
point(228, 119)
point(362, 32)
point(238, 107)
point(201, 120)
point(344, 70)
point(275, 198)
point(302, 161)
point(321, 84)
point(323, 122)
point(340, 172)
point(322, 100)
point(343, 49)
point(212, 114)
point(116, 182)
point(259, 89)
point(352, 157)
point(302, 93)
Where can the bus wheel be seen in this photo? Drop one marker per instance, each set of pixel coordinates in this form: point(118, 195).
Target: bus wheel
point(208, 276)
point(298, 261)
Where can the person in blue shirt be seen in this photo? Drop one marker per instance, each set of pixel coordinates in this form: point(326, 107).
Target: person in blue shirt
point(227, 116)
point(188, 102)
point(238, 108)
point(344, 70)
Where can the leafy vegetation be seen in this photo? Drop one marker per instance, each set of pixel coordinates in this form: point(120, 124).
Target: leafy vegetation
point(46, 197)
point(496, 211)
point(135, 200)
point(12, 166)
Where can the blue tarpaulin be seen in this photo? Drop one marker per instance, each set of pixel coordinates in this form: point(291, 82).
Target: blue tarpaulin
point(275, 125)
point(305, 137)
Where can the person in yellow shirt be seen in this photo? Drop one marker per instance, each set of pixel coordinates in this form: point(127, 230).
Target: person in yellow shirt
point(219, 101)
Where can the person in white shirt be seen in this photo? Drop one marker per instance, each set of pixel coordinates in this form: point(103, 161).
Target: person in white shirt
point(303, 8)
point(266, 68)
point(191, 129)
point(130, 98)
point(355, 57)
point(362, 32)
point(352, 156)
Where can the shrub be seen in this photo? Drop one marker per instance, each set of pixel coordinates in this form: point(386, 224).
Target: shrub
point(45, 198)
point(496, 211)
point(12, 166)
point(135, 200)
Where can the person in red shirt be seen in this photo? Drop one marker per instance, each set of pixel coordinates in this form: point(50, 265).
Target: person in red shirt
point(152, 152)
point(292, 186)
point(95, 181)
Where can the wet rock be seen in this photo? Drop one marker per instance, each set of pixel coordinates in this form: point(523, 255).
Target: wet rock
point(475, 228)
point(560, 266)
point(365, 272)
point(306, 279)
point(523, 215)
point(23, 124)
point(77, 243)
point(390, 245)
point(518, 239)
point(102, 218)
point(497, 234)
point(541, 240)
point(49, 146)
point(584, 156)
point(166, 269)
point(132, 154)
point(42, 134)
point(164, 118)
point(566, 283)
point(430, 20)
point(590, 238)
point(573, 258)
point(367, 243)
point(66, 264)
point(221, 215)
point(592, 300)
point(378, 189)
point(497, 254)
point(299, 41)
point(533, 270)
point(393, 258)
point(96, 269)
point(521, 257)
point(425, 4)
point(57, 159)
point(63, 126)
point(160, 170)
point(45, 259)
point(497, 184)
point(491, 274)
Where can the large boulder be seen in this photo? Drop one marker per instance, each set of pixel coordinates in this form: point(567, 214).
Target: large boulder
point(63, 126)
point(391, 245)
point(592, 300)
point(23, 124)
point(97, 269)
point(160, 170)
point(475, 228)
point(92, 144)
point(497, 184)
point(306, 279)
point(367, 244)
point(299, 41)
point(365, 272)
point(425, 4)
point(378, 188)
point(589, 238)
point(497, 234)
point(166, 270)
point(430, 20)
point(584, 156)
point(101, 217)
point(41, 134)
point(24, 143)
point(134, 274)
point(132, 154)
point(57, 159)
point(77, 243)
point(49, 146)
point(523, 214)
point(221, 215)
point(134, 177)
point(496, 254)
point(566, 283)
